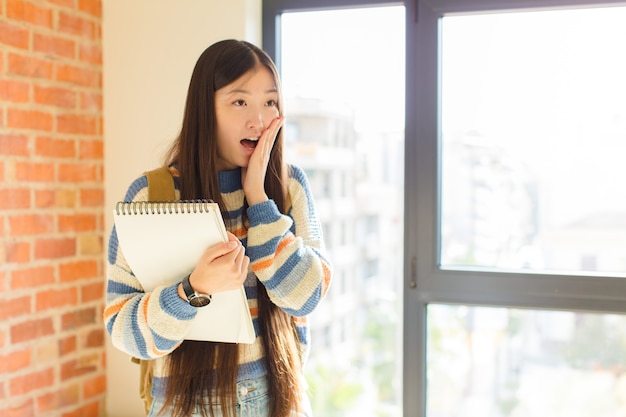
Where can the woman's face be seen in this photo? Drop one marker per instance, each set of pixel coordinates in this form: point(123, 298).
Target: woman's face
point(244, 109)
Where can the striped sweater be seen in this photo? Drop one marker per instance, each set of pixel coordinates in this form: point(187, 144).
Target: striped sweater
point(286, 254)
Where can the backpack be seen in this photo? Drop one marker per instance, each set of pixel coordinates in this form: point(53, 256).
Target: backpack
point(160, 188)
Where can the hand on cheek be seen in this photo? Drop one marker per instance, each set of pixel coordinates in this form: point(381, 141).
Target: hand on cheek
point(253, 177)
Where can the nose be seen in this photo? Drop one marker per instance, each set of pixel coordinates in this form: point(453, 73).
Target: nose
point(255, 120)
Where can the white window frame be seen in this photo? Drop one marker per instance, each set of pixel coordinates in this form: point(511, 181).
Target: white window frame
point(425, 281)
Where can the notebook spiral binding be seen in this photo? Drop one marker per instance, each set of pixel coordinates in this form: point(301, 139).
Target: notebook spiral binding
point(163, 207)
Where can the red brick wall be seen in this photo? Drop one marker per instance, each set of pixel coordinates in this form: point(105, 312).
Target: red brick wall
point(52, 354)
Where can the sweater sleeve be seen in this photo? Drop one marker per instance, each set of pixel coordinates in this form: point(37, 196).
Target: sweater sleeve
point(144, 325)
point(287, 251)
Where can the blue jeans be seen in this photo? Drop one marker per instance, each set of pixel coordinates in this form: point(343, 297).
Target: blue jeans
point(252, 401)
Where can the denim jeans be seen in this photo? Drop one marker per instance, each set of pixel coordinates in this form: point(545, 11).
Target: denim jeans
point(252, 401)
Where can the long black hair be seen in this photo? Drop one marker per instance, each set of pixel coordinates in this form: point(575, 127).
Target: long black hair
point(201, 371)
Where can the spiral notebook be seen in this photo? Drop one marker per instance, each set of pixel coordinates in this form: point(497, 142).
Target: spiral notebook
point(162, 243)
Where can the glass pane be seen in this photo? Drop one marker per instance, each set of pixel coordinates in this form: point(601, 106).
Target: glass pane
point(498, 362)
point(533, 140)
point(344, 94)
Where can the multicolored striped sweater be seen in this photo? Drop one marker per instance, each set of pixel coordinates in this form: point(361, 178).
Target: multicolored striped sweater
point(286, 254)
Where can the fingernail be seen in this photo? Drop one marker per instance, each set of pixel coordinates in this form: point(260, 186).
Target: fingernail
point(232, 244)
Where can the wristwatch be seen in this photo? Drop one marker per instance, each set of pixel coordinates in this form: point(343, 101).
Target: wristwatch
point(194, 298)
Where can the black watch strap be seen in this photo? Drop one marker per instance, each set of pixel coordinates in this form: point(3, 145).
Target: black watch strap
point(194, 298)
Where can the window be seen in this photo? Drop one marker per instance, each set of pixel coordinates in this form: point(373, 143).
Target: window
point(350, 136)
point(533, 128)
point(513, 268)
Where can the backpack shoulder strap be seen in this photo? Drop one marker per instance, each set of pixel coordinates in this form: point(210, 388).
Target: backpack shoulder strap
point(160, 185)
point(160, 188)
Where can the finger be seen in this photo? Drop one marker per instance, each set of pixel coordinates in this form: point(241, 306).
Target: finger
point(273, 132)
point(221, 249)
point(239, 259)
point(244, 268)
point(232, 238)
point(269, 136)
point(246, 264)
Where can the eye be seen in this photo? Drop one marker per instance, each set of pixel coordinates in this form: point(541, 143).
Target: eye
point(239, 102)
point(272, 103)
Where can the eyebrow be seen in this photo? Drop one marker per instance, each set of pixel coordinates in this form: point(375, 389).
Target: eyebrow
point(242, 91)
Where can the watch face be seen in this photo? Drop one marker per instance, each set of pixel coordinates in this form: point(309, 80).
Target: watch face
point(199, 300)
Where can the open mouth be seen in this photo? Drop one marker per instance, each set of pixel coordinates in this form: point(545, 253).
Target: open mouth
point(249, 143)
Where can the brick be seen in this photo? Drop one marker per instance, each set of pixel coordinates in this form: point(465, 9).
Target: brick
point(91, 149)
point(51, 299)
point(54, 46)
point(98, 33)
point(14, 198)
point(34, 277)
point(29, 66)
point(94, 386)
point(77, 319)
point(67, 345)
point(55, 248)
point(47, 403)
point(14, 145)
point(32, 329)
point(55, 148)
point(60, 198)
point(24, 11)
point(15, 307)
point(92, 292)
point(14, 91)
point(55, 96)
point(70, 23)
point(78, 172)
point(23, 384)
point(91, 102)
point(23, 409)
point(34, 171)
point(29, 119)
point(81, 222)
point(78, 367)
point(92, 7)
point(90, 53)
point(79, 76)
point(51, 402)
point(66, 198)
point(92, 409)
point(95, 339)
point(13, 35)
point(17, 252)
point(90, 244)
point(77, 124)
point(69, 394)
point(92, 197)
point(74, 271)
point(69, 4)
point(30, 224)
point(47, 352)
point(44, 198)
point(14, 361)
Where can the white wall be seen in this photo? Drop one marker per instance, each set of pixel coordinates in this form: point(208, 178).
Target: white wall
point(150, 48)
